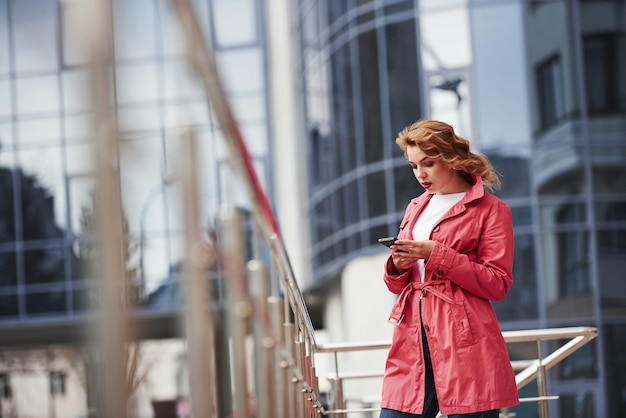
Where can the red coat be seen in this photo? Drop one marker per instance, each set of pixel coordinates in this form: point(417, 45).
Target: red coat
point(471, 265)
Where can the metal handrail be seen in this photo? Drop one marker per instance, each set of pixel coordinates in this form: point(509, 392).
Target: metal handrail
point(531, 369)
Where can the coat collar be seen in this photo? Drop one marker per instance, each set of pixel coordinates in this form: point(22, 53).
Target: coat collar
point(476, 191)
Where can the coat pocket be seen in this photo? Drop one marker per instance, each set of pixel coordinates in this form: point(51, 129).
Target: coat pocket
point(462, 326)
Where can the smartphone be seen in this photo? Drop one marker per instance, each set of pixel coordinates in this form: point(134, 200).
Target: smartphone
point(387, 241)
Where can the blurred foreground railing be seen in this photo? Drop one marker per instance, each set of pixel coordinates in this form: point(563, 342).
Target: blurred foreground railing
point(527, 370)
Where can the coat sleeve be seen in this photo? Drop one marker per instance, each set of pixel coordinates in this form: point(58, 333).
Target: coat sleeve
point(491, 275)
point(396, 282)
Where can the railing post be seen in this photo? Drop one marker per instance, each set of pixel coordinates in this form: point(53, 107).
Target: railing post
point(290, 345)
point(264, 344)
point(280, 367)
point(239, 307)
point(542, 384)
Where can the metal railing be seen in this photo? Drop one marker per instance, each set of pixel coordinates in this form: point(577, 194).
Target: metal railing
point(263, 345)
point(527, 370)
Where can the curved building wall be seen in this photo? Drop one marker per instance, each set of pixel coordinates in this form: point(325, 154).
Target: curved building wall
point(540, 88)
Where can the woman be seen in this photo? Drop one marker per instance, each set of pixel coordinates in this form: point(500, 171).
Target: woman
point(453, 256)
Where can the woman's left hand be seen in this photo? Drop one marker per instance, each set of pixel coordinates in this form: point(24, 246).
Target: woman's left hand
point(406, 252)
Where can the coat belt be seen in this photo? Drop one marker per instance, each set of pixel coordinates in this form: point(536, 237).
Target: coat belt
point(431, 286)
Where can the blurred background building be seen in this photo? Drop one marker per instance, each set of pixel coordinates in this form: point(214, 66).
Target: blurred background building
point(537, 86)
point(320, 89)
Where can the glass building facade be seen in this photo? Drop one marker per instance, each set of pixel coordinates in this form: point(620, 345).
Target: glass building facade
point(537, 86)
point(47, 179)
point(46, 142)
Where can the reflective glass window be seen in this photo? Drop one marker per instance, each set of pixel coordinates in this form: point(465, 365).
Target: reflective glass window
point(605, 72)
point(6, 104)
point(42, 131)
point(6, 142)
point(377, 198)
point(582, 364)
point(566, 261)
point(557, 167)
point(550, 92)
point(73, 51)
point(563, 213)
point(37, 95)
point(352, 204)
point(343, 111)
point(406, 186)
point(179, 81)
point(7, 206)
point(614, 336)
point(609, 178)
point(42, 193)
point(234, 22)
point(576, 405)
point(611, 247)
point(610, 211)
point(44, 265)
point(76, 87)
point(521, 302)
point(137, 83)
point(403, 78)
point(34, 25)
point(8, 304)
point(514, 175)
point(5, 65)
point(51, 301)
point(241, 70)
point(135, 29)
point(370, 97)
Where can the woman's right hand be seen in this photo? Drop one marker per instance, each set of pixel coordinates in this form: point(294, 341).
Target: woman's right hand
point(405, 253)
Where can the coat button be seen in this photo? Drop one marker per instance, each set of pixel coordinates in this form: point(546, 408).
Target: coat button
point(423, 292)
point(426, 327)
point(439, 273)
point(435, 229)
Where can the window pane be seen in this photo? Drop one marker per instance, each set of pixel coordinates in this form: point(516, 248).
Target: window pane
point(4, 39)
point(37, 95)
point(234, 22)
point(611, 265)
point(406, 186)
point(7, 207)
point(8, 305)
point(43, 130)
point(582, 364)
point(370, 100)
point(550, 92)
point(614, 336)
point(521, 302)
point(135, 29)
point(76, 90)
point(377, 199)
point(579, 405)
point(564, 213)
point(6, 104)
point(566, 259)
point(514, 174)
point(46, 302)
point(403, 76)
point(74, 53)
point(44, 265)
point(241, 70)
point(42, 193)
point(137, 83)
point(35, 34)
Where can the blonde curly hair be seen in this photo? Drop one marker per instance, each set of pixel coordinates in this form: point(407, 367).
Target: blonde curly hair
point(438, 140)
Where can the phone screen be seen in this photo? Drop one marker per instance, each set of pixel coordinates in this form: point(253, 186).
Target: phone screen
point(387, 241)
